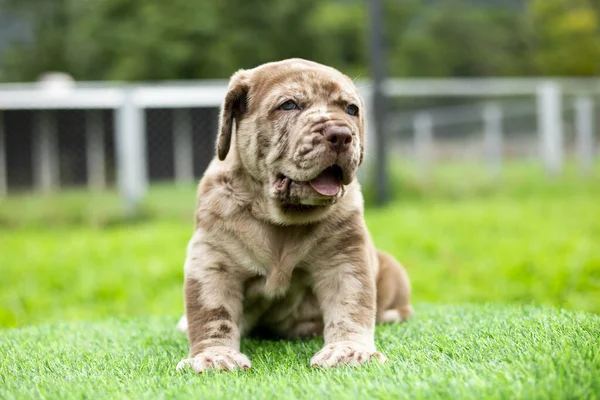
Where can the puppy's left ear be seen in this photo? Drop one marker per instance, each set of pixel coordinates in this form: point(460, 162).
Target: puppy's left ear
point(233, 108)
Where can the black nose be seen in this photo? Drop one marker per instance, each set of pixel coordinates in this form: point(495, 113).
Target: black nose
point(339, 136)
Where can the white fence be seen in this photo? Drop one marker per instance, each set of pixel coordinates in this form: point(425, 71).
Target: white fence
point(130, 102)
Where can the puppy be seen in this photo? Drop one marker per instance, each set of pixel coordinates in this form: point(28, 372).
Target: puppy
point(280, 244)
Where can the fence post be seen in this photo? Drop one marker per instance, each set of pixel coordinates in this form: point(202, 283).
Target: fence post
point(423, 126)
point(96, 164)
point(584, 125)
point(550, 126)
point(3, 177)
point(45, 157)
point(492, 128)
point(130, 140)
point(365, 171)
point(378, 98)
point(183, 151)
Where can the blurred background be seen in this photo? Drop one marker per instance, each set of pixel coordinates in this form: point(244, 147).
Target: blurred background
point(481, 172)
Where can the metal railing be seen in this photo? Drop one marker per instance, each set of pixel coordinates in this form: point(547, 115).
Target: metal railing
point(131, 106)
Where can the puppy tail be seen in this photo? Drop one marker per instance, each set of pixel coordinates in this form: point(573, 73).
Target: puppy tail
point(393, 291)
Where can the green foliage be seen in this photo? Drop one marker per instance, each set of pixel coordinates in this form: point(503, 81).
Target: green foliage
point(135, 40)
point(467, 352)
point(567, 37)
point(450, 39)
point(180, 39)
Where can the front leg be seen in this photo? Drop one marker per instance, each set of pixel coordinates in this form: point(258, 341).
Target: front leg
point(347, 296)
point(213, 303)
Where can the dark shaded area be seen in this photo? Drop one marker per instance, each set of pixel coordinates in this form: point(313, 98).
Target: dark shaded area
point(18, 128)
point(159, 144)
point(160, 141)
point(205, 124)
point(70, 125)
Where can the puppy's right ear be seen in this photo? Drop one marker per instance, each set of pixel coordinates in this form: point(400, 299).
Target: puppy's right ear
point(233, 108)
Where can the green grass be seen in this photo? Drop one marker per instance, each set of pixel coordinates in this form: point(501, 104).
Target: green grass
point(76, 264)
point(528, 241)
point(464, 351)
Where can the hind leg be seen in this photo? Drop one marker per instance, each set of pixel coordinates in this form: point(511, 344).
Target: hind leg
point(393, 291)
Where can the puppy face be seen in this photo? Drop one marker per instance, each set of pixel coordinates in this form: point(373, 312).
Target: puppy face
point(299, 132)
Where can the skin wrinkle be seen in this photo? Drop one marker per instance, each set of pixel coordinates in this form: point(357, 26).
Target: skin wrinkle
point(283, 259)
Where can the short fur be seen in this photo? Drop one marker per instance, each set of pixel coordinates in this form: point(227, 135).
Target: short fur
point(271, 255)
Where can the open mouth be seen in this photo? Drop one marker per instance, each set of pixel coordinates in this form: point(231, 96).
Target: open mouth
point(300, 208)
point(328, 183)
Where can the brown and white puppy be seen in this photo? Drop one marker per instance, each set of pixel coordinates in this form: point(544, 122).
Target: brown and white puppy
point(280, 244)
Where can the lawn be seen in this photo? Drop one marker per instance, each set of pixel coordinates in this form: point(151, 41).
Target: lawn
point(469, 352)
point(506, 280)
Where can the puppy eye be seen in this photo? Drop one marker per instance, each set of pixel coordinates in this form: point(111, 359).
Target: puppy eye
point(351, 109)
point(288, 106)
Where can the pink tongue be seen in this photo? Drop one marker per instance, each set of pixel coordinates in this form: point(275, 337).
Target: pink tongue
point(327, 183)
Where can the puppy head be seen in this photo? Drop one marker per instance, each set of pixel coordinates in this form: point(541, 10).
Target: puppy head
point(299, 133)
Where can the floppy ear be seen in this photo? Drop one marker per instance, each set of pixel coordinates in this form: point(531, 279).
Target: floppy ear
point(233, 108)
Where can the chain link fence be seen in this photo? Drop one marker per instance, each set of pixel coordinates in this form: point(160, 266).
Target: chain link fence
point(59, 149)
point(458, 126)
point(179, 142)
point(487, 130)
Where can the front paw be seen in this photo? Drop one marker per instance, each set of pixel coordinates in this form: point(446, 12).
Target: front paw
point(217, 358)
point(345, 353)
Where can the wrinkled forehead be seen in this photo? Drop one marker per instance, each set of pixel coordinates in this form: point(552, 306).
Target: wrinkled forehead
point(300, 81)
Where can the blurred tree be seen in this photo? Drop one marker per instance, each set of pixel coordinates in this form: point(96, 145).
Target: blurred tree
point(24, 60)
point(182, 39)
point(566, 36)
point(454, 38)
point(149, 40)
point(251, 33)
point(339, 29)
point(134, 40)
